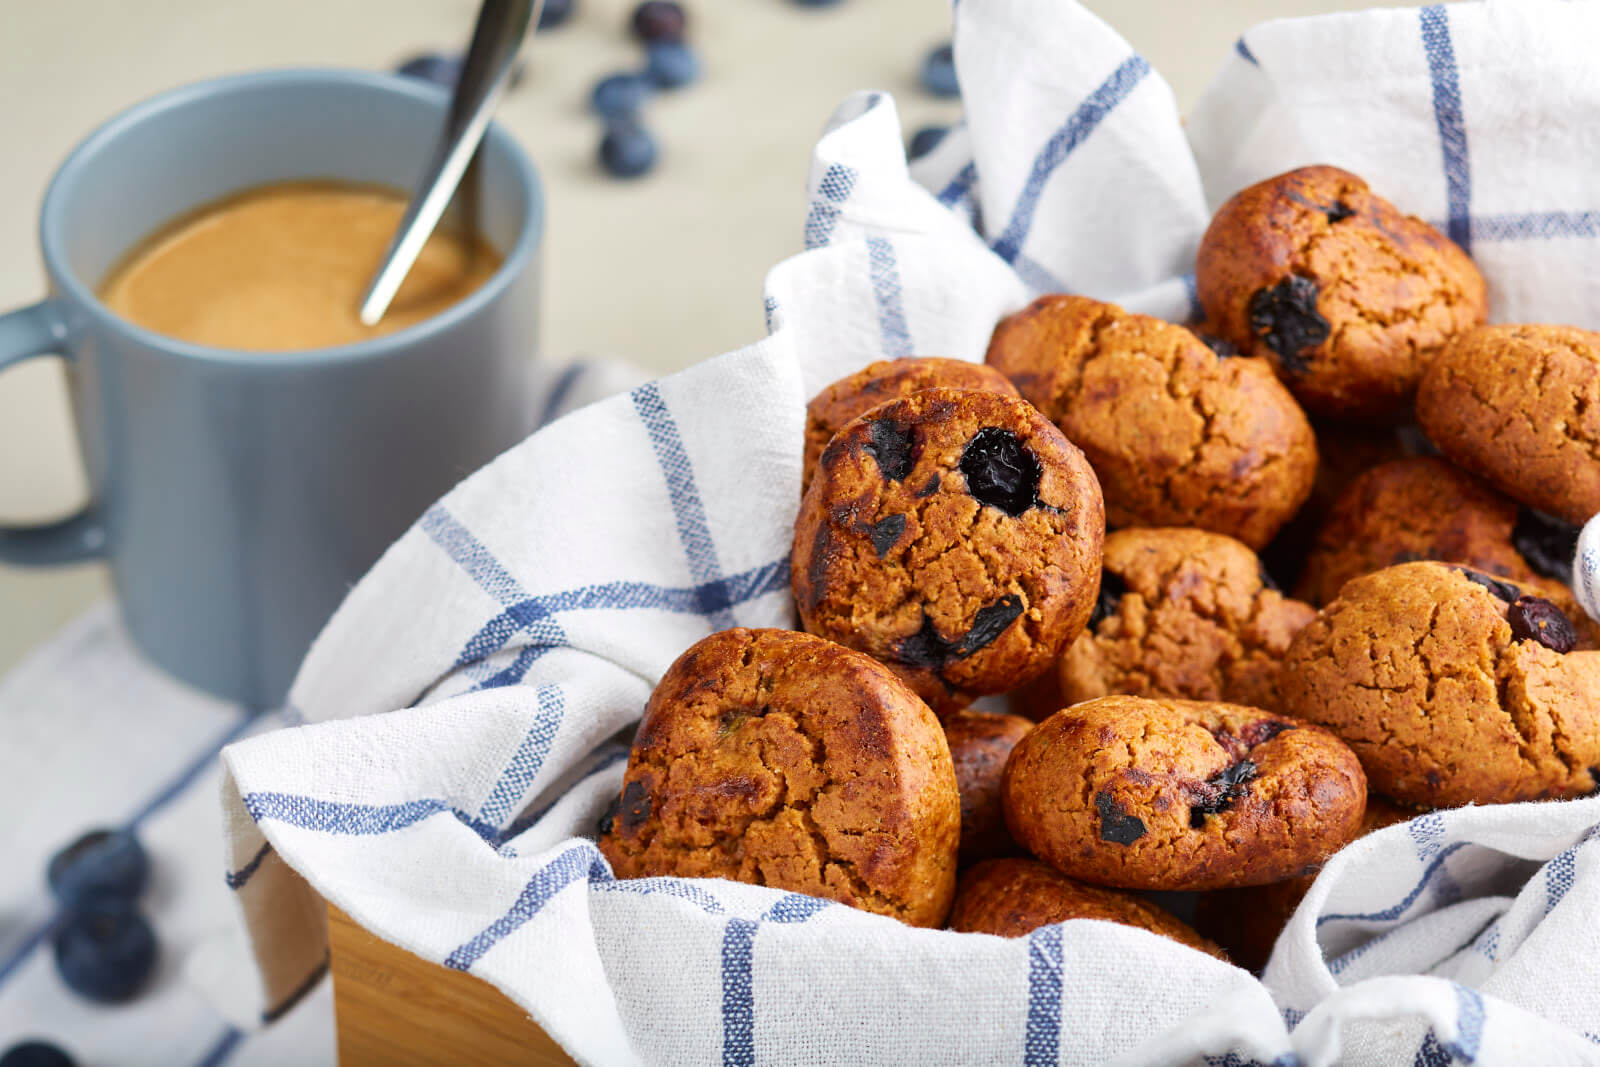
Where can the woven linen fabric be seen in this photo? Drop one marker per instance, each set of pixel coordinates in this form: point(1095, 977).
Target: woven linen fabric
point(465, 705)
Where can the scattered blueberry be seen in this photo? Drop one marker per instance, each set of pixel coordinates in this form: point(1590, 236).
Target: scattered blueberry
point(619, 96)
point(445, 71)
point(671, 64)
point(36, 1054)
point(627, 150)
point(939, 72)
point(555, 12)
point(102, 864)
point(659, 20)
point(432, 67)
point(105, 951)
point(926, 140)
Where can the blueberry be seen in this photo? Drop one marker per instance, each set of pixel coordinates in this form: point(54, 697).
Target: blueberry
point(619, 96)
point(893, 446)
point(1222, 790)
point(445, 71)
point(634, 810)
point(926, 140)
point(105, 951)
point(1536, 619)
point(671, 64)
point(36, 1054)
point(1285, 316)
point(433, 67)
point(659, 20)
point(627, 150)
point(939, 72)
point(1109, 603)
point(555, 12)
point(1547, 544)
point(1001, 471)
point(102, 864)
point(1223, 349)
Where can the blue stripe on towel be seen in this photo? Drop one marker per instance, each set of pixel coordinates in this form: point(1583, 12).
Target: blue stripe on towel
point(1042, 1043)
point(574, 865)
point(1076, 130)
point(888, 292)
point(1442, 70)
point(528, 759)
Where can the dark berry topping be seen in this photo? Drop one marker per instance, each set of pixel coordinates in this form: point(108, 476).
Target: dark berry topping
point(1116, 825)
point(885, 532)
point(1001, 471)
point(1285, 317)
point(929, 650)
point(1548, 544)
point(1504, 590)
point(1221, 791)
point(1263, 730)
point(1223, 349)
point(1536, 619)
point(608, 815)
point(1112, 590)
point(990, 622)
point(892, 445)
point(635, 806)
point(1339, 211)
point(928, 490)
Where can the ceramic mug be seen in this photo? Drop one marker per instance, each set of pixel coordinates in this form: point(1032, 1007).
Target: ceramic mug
point(237, 495)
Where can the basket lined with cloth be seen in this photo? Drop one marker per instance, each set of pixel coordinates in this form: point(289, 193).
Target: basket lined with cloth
point(462, 705)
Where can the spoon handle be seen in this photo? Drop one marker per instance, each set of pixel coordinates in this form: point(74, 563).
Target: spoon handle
point(499, 31)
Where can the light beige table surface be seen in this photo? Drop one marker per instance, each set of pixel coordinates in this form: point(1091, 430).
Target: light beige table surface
point(666, 270)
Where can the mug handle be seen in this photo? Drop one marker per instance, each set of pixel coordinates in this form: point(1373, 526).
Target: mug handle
point(40, 330)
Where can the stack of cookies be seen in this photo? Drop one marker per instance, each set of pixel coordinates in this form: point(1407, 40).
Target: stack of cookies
point(1342, 425)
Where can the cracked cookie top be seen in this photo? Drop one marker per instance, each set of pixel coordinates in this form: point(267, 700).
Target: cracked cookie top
point(881, 382)
point(780, 759)
point(1012, 897)
point(1178, 794)
point(1179, 434)
point(1520, 407)
point(954, 536)
point(1182, 613)
point(1410, 510)
point(1349, 298)
point(1452, 686)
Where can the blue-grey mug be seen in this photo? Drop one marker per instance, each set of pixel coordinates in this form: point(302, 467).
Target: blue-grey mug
point(237, 495)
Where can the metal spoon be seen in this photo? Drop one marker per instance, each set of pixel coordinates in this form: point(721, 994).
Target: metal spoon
point(495, 39)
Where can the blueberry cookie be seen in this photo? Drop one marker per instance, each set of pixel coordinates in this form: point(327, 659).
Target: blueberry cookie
point(1409, 510)
point(1519, 406)
point(980, 742)
point(1247, 922)
point(1013, 897)
point(780, 759)
point(1176, 794)
point(1179, 435)
point(1452, 686)
point(1349, 299)
point(881, 382)
point(954, 536)
point(1182, 613)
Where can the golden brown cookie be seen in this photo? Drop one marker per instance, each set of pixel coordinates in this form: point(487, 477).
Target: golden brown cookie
point(883, 381)
point(1247, 922)
point(954, 536)
point(1179, 435)
point(1182, 613)
point(1349, 299)
point(1408, 510)
point(1453, 687)
point(1013, 897)
point(780, 759)
point(1177, 794)
point(1519, 406)
point(980, 742)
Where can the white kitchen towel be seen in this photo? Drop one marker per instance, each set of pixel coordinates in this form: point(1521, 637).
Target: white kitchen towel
point(467, 707)
point(96, 737)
